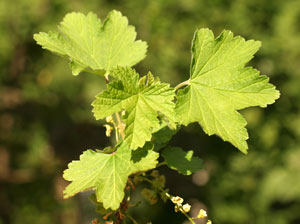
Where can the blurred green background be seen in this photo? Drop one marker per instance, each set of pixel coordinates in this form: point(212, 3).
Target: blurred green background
point(46, 119)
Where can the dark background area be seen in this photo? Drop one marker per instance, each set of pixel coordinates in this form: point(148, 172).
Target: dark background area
point(46, 119)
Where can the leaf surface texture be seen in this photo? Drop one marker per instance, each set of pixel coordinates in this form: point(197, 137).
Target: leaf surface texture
point(93, 46)
point(142, 99)
point(108, 173)
point(220, 84)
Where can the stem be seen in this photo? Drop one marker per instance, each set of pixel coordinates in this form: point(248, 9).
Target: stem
point(186, 215)
point(120, 125)
point(185, 83)
point(170, 197)
point(116, 130)
point(116, 133)
point(106, 77)
point(131, 184)
point(161, 164)
point(149, 181)
point(132, 219)
point(121, 212)
point(107, 215)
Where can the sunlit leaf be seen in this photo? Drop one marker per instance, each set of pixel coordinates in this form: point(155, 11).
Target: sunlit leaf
point(94, 46)
point(220, 84)
point(181, 161)
point(107, 174)
point(142, 99)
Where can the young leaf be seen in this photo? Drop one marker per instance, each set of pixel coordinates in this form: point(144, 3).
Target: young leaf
point(107, 173)
point(93, 46)
point(182, 161)
point(142, 99)
point(220, 84)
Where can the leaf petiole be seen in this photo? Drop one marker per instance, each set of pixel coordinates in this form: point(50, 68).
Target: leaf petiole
point(185, 83)
point(161, 164)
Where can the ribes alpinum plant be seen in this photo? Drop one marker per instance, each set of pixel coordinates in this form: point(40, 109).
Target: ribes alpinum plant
point(142, 113)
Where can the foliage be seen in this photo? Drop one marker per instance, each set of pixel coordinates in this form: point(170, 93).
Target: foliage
point(107, 173)
point(142, 99)
point(182, 161)
point(219, 85)
point(45, 119)
point(91, 45)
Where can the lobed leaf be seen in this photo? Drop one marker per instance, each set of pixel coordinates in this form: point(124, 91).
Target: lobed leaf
point(107, 173)
point(220, 84)
point(93, 46)
point(142, 99)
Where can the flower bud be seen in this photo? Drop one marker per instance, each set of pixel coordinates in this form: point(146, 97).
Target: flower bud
point(109, 119)
point(186, 207)
point(202, 214)
point(108, 130)
point(177, 200)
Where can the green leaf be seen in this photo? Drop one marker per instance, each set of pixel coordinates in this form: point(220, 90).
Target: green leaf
point(182, 161)
point(162, 136)
point(144, 158)
point(99, 206)
point(93, 46)
point(107, 173)
point(142, 99)
point(220, 84)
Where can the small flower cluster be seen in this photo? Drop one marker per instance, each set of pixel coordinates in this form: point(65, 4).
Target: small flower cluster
point(203, 214)
point(118, 126)
point(178, 204)
point(109, 128)
point(158, 183)
point(149, 195)
point(186, 208)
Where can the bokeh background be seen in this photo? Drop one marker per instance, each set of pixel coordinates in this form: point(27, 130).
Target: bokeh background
point(46, 119)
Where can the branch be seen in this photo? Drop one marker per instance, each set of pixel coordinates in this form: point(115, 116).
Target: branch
point(120, 125)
